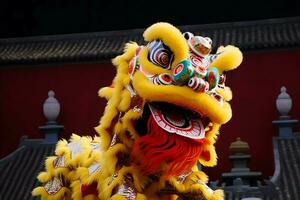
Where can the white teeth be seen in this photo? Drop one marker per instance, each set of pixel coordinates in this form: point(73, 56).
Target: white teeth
point(162, 124)
point(193, 130)
point(157, 118)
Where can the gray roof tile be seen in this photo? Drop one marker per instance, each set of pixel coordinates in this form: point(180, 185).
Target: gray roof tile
point(19, 170)
point(102, 46)
point(289, 160)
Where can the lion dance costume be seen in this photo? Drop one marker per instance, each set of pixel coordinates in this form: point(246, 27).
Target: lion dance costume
point(165, 107)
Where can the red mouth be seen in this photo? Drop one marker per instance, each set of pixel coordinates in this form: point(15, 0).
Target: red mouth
point(178, 120)
point(171, 141)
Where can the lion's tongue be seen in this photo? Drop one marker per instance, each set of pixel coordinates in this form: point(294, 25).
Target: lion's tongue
point(175, 120)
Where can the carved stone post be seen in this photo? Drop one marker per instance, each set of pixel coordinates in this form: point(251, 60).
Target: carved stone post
point(240, 173)
point(51, 110)
point(284, 123)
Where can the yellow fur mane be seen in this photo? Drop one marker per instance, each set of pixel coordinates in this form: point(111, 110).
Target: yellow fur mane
point(103, 151)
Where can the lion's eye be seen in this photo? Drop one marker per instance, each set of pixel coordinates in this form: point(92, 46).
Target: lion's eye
point(160, 54)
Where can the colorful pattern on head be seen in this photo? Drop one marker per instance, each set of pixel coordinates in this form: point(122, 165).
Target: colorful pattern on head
point(165, 107)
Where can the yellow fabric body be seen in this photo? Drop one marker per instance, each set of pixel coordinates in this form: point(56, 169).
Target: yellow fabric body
point(89, 160)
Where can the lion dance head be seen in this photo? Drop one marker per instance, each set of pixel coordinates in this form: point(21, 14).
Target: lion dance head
point(165, 107)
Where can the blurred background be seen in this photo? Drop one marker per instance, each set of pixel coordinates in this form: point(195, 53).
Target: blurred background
point(67, 46)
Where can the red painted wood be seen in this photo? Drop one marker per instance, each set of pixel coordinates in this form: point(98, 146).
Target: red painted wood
point(24, 90)
point(255, 86)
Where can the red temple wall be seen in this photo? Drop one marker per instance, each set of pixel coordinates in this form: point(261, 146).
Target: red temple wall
point(255, 85)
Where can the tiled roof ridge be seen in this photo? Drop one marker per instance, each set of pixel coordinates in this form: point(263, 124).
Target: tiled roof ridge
point(247, 23)
point(124, 32)
point(102, 46)
point(287, 163)
point(20, 169)
point(11, 155)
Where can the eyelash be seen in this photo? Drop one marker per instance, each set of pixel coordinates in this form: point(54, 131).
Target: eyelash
point(160, 54)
